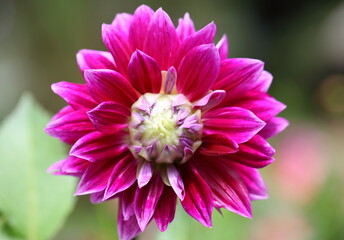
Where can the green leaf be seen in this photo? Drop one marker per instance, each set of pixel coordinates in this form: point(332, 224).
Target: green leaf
point(33, 203)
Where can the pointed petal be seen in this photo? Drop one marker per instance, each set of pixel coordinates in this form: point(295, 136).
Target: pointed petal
point(145, 173)
point(96, 146)
point(261, 104)
point(238, 124)
point(263, 83)
point(95, 177)
point(198, 201)
point(195, 80)
point(228, 189)
point(256, 153)
point(108, 85)
point(170, 80)
point(222, 46)
point(144, 73)
point(97, 197)
point(210, 100)
point(72, 166)
point(122, 176)
point(146, 199)
point(176, 181)
point(185, 27)
point(109, 117)
point(128, 229)
point(64, 111)
point(118, 45)
point(122, 22)
point(70, 127)
point(217, 145)
point(127, 202)
point(162, 41)
point(139, 26)
point(204, 36)
point(93, 59)
point(166, 208)
point(273, 127)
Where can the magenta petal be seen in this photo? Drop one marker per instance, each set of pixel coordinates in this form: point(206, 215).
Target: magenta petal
point(261, 104)
point(122, 177)
point(96, 146)
point(203, 36)
point(185, 27)
point(122, 22)
point(263, 83)
point(166, 208)
point(139, 26)
point(256, 153)
point(229, 190)
point(222, 46)
point(176, 181)
point(95, 178)
point(170, 80)
point(76, 95)
point(64, 111)
point(145, 173)
point(210, 100)
point(128, 228)
point(93, 59)
point(162, 41)
point(70, 127)
point(217, 145)
point(127, 202)
point(108, 85)
point(109, 117)
point(238, 124)
point(119, 47)
point(274, 126)
point(195, 80)
point(146, 200)
point(198, 201)
point(144, 73)
point(97, 197)
point(72, 166)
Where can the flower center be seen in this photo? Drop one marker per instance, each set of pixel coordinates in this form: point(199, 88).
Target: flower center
point(164, 128)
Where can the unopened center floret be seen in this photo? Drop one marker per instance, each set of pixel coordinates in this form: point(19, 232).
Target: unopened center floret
point(164, 128)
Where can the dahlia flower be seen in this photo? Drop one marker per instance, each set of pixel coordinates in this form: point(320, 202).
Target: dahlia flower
point(165, 115)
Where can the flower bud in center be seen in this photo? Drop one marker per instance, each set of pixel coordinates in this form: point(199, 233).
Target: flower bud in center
point(164, 128)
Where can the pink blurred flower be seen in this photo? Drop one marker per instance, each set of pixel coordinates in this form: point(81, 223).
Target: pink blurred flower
point(165, 115)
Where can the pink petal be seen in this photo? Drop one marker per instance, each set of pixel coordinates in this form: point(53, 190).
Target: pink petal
point(129, 228)
point(145, 173)
point(96, 146)
point(195, 80)
point(92, 59)
point(95, 177)
point(185, 27)
point(256, 153)
point(122, 177)
point(97, 197)
point(108, 85)
point(273, 127)
point(64, 111)
point(222, 46)
point(118, 45)
point(229, 190)
point(76, 95)
point(263, 83)
point(144, 73)
point(198, 201)
point(166, 208)
point(109, 117)
point(70, 166)
point(204, 36)
point(146, 200)
point(217, 145)
point(176, 181)
point(121, 23)
point(238, 124)
point(210, 100)
point(139, 26)
point(261, 104)
point(162, 41)
point(170, 80)
point(70, 127)
point(127, 202)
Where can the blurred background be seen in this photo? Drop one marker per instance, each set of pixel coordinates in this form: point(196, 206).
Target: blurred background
point(302, 45)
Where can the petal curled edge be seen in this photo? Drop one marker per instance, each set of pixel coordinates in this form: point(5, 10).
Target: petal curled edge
point(217, 145)
point(195, 80)
point(108, 85)
point(72, 166)
point(198, 200)
point(144, 73)
point(176, 181)
point(93, 59)
point(238, 124)
point(273, 127)
point(210, 100)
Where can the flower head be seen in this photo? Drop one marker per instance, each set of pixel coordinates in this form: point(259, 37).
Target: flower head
point(165, 115)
